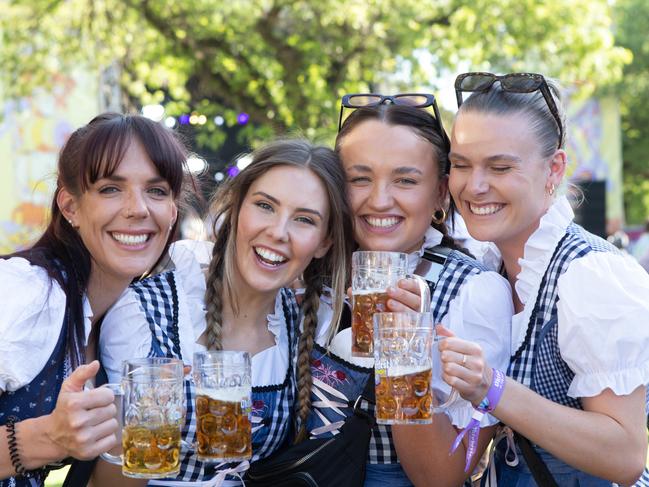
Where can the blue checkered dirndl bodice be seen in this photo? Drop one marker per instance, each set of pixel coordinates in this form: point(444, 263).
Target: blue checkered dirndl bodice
point(538, 365)
point(158, 298)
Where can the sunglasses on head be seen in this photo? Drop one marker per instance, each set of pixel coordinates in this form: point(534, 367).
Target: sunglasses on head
point(367, 100)
point(512, 82)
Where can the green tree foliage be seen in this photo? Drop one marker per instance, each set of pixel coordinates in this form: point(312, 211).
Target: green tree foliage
point(286, 62)
point(632, 20)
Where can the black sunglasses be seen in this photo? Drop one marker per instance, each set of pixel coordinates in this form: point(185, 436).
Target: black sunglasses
point(512, 82)
point(415, 100)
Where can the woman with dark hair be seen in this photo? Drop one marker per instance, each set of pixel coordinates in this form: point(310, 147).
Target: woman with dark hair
point(281, 218)
point(113, 215)
point(395, 157)
point(575, 388)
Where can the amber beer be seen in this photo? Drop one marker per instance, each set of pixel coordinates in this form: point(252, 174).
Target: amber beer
point(150, 401)
point(403, 395)
point(151, 451)
point(223, 425)
point(366, 303)
point(372, 273)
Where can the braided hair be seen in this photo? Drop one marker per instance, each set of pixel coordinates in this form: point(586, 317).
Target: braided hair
point(327, 271)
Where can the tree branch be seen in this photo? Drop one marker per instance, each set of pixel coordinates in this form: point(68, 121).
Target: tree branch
point(200, 88)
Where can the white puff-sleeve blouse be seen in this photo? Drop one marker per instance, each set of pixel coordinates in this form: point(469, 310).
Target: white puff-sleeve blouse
point(481, 312)
point(603, 310)
point(126, 334)
point(33, 308)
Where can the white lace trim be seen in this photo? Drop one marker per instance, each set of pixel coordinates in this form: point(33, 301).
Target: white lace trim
point(540, 247)
point(536, 258)
point(276, 319)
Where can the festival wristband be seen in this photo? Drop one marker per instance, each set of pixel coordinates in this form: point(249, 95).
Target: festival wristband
point(487, 405)
point(494, 393)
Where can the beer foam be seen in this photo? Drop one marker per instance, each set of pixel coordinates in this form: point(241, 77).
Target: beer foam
point(397, 370)
point(226, 394)
point(363, 292)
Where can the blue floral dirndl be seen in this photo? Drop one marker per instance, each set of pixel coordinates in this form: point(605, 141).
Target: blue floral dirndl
point(38, 398)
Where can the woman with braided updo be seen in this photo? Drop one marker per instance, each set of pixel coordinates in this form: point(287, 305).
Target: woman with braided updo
point(283, 217)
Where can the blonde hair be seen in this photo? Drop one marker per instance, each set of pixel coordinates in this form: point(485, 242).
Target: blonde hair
point(533, 105)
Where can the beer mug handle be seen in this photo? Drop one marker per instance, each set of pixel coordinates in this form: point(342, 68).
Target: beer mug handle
point(424, 293)
point(119, 394)
point(453, 396)
point(117, 459)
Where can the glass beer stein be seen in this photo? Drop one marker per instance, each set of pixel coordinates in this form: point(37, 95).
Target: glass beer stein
point(403, 368)
point(151, 409)
point(372, 273)
point(223, 406)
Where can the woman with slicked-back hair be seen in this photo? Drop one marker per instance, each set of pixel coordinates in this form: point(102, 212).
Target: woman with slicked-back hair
point(113, 215)
point(573, 401)
point(281, 218)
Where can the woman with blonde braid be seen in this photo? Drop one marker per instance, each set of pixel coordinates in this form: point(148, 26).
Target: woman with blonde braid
point(267, 236)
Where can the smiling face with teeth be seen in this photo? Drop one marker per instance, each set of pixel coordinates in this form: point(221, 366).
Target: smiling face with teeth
point(393, 184)
point(499, 178)
point(123, 219)
point(282, 226)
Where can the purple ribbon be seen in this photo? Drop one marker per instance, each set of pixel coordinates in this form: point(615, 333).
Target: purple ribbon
point(488, 404)
point(473, 429)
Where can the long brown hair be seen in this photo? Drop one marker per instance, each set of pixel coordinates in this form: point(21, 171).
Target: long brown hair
point(93, 152)
point(330, 270)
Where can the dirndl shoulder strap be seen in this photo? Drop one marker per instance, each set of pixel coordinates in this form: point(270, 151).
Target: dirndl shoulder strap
point(432, 263)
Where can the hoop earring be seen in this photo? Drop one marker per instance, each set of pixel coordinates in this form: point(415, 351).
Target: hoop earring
point(439, 219)
point(551, 190)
